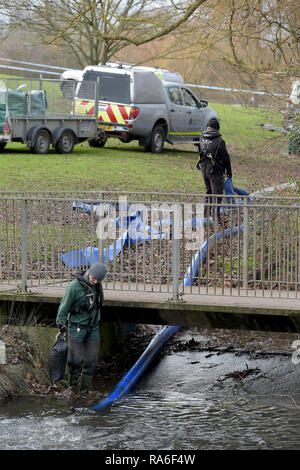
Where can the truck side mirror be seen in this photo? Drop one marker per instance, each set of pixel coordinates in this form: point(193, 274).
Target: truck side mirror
point(202, 104)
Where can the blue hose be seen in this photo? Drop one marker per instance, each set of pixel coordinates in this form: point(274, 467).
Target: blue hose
point(137, 370)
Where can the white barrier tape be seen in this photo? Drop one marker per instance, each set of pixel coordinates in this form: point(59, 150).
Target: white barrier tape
point(11, 67)
point(235, 90)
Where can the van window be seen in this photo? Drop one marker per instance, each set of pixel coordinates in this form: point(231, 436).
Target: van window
point(175, 95)
point(189, 98)
point(113, 87)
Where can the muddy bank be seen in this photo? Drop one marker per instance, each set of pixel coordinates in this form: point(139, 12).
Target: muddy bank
point(26, 368)
point(26, 371)
point(252, 342)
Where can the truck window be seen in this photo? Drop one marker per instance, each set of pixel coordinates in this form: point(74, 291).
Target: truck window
point(189, 98)
point(113, 87)
point(175, 95)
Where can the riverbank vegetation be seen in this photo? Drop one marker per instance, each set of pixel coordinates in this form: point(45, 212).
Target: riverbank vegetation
point(25, 371)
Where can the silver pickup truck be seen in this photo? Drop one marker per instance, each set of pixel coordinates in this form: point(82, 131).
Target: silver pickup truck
point(140, 103)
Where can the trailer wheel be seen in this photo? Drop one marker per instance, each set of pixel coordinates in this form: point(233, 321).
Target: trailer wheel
point(42, 142)
point(2, 145)
point(66, 142)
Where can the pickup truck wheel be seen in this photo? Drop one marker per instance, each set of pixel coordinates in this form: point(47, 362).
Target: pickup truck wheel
point(98, 141)
point(2, 145)
point(65, 143)
point(42, 142)
point(157, 140)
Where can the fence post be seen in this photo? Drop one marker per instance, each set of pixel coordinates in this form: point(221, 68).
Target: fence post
point(24, 247)
point(245, 243)
point(176, 233)
point(298, 218)
point(175, 268)
point(100, 241)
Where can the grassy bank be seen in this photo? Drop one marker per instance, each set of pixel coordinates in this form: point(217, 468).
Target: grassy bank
point(259, 159)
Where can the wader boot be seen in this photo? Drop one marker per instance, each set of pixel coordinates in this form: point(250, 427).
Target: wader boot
point(85, 391)
point(74, 384)
point(86, 381)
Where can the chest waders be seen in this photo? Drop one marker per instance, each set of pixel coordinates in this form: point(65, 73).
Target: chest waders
point(83, 345)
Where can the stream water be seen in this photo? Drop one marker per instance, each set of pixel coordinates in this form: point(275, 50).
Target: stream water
point(186, 401)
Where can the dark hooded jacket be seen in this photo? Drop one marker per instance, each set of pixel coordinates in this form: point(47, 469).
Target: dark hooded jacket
point(214, 157)
point(81, 306)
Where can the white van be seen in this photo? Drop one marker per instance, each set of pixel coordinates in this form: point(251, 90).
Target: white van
point(68, 82)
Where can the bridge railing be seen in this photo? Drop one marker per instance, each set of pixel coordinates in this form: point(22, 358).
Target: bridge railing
point(153, 242)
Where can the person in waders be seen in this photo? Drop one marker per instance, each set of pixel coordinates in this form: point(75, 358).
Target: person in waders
point(214, 161)
point(80, 309)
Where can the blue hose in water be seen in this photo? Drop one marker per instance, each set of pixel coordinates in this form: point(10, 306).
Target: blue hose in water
point(137, 370)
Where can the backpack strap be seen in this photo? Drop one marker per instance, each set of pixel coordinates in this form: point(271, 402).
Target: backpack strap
point(91, 300)
point(206, 153)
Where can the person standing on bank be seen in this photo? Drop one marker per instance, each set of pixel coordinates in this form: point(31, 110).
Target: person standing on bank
point(80, 308)
point(214, 161)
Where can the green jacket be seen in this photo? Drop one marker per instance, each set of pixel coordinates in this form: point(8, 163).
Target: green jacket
point(73, 306)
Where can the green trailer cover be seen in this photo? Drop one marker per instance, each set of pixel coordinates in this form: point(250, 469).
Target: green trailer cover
point(19, 104)
point(2, 118)
point(37, 103)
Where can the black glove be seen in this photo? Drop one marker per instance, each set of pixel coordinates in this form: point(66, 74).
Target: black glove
point(61, 327)
point(229, 175)
point(198, 166)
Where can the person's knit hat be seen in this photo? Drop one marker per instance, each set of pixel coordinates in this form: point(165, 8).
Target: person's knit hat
point(214, 123)
point(98, 271)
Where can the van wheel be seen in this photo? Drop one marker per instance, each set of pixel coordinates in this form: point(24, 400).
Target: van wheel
point(42, 142)
point(2, 145)
point(65, 143)
point(157, 140)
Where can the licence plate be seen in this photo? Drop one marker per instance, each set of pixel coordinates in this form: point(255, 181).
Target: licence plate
point(105, 127)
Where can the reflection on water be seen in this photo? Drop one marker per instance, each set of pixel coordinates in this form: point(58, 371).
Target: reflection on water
point(181, 404)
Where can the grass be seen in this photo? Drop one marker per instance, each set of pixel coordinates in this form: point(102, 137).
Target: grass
point(241, 126)
point(259, 158)
point(128, 167)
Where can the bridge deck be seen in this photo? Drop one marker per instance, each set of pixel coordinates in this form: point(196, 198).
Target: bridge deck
point(218, 308)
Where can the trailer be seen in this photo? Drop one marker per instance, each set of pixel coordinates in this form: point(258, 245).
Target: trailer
point(35, 112)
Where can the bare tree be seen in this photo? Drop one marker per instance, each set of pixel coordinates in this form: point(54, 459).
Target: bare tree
point(252, 44)
point(95, 30)
point(264, 34)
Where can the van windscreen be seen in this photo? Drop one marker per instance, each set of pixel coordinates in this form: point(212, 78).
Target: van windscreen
point(113, 87)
